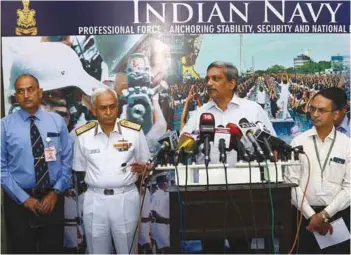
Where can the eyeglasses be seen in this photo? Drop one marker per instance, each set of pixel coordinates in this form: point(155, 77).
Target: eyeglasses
point(313, 109)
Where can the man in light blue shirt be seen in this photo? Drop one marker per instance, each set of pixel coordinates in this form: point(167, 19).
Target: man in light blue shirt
point(344, 126)
point(34, 211)
point(342, 121)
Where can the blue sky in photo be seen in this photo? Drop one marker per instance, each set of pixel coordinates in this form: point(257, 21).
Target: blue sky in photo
point(269, 49)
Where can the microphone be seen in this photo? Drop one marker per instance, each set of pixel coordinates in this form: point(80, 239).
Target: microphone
point(186, 143)
point(235, 142)
point(207, 129)
point(222, 140)
point(248, 129)
point(165, 145)
point(172, 138)
point(261, 128)
point(168, 142)
point(262, 134)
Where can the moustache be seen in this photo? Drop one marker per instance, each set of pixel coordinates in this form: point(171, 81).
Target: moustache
point(210, 88)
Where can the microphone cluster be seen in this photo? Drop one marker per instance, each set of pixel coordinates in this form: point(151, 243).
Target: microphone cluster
point(252, 141)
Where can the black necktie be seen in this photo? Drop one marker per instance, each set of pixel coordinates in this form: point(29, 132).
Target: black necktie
point(40, 165)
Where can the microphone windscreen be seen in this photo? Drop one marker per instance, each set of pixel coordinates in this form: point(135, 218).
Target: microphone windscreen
point(234, 130)
point(243, 120)
point(207, 119)
point(186, 143)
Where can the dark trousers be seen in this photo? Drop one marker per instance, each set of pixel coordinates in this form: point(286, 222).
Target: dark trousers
point(307, 243)
point(262, 105)
point(24, 237)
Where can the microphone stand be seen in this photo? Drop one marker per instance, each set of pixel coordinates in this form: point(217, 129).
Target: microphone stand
point(223, 159)
point(207, 149)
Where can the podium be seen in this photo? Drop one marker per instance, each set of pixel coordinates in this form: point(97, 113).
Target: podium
point(243, 211)
point(241, 173)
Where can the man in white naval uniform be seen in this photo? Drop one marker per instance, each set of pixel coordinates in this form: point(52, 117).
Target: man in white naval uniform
point(111, 152)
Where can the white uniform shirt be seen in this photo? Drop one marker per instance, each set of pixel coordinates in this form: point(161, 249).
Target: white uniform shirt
point(146, 210)
point(334, 192)
point(96, 153)
point(160, 203)
point(261, 97)
point(237, 109)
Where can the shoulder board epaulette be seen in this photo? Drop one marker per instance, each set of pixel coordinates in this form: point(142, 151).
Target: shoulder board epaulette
point(85, 128)
point(131, 125)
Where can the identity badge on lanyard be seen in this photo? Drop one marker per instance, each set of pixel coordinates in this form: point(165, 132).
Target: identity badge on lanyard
point(323, 189)
point(50, 151)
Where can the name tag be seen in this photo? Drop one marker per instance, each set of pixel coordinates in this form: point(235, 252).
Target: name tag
point(52, 134)
point(95, 151)
point(50, 154)
point(338, 160)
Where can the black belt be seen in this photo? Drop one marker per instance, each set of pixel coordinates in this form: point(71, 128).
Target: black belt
point(318, 209)
point(109, 191)
point(162, 221)
point(144, 220)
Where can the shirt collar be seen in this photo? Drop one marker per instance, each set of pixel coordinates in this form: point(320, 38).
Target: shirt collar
point(117, 128)
point(25, 115)
point(313, 132)
point(344, 124)
point(235, 100)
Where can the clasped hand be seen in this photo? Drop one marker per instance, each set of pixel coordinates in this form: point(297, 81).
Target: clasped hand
point(44, 206)
point(317, 224)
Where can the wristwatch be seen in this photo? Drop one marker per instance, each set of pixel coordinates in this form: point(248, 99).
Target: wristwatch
point(325, 217)
point(57, 191)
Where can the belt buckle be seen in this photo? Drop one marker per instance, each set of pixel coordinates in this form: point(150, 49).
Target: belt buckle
point(108, 192)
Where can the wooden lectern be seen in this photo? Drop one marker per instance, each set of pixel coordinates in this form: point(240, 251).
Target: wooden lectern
point(243, 211)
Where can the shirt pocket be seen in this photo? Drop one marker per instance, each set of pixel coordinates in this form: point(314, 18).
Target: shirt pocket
point(53, 140)
point(336, 173)
point(126, 156)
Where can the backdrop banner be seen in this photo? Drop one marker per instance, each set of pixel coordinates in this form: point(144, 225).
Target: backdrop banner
point(155, 55)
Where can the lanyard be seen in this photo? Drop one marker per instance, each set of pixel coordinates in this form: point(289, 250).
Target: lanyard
point(326, 159)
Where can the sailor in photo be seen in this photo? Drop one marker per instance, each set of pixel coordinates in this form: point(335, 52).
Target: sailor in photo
point(145, 225)
point(160, 214)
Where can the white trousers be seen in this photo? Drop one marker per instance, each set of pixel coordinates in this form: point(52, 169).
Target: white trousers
point(144, 234)
point(162, 235)
point(108, 217)
point(285, 108)
point(70, 238)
